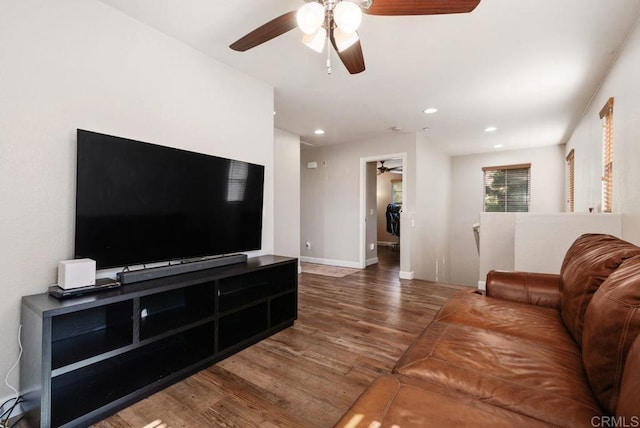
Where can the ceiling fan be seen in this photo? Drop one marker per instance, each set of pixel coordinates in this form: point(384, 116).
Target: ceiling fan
point(382, 169)
point(337, 21)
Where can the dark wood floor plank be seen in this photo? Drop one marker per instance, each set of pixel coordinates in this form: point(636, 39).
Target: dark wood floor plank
point(349, 331)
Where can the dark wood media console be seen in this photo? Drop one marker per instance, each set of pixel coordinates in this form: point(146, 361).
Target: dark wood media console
point(87, 357)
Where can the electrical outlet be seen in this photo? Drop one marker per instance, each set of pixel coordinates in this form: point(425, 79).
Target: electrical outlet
point(372, 246)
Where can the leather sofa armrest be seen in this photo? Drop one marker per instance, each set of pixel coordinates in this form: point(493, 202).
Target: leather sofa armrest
point(542, 289)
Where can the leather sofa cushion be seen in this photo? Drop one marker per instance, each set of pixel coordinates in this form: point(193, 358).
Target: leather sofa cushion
point(629, 401)
point(540, 289)
point(520, 375)
point(523, 320)
point(587, 263)
point(611, 325)
point(398, 401)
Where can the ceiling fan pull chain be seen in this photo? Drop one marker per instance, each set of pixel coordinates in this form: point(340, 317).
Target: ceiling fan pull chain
point(328, 57)
point(329, 30)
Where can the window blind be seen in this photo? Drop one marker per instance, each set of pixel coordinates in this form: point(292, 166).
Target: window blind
point(606, 114)
point(571, 179)
point(507, 188)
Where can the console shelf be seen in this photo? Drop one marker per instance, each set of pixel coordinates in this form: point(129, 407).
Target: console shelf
point(88, 357)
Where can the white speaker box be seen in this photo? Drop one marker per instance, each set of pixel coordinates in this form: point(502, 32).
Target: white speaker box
point(76, 273)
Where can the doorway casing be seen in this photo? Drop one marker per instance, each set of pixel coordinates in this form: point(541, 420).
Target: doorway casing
point(405, 244)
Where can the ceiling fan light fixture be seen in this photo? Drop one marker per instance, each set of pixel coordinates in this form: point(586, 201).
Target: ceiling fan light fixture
point(347, 16)
point(316, 40)
point(310, 17)
point(344, 40)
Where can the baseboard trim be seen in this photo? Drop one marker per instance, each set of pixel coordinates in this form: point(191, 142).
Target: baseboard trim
point(386, 244)
point(372, 261)
point(330, 262)
point(406, 275)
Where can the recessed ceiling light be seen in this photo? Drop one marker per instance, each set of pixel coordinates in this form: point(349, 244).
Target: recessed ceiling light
point(426, 128)
point(274, 112)
point(319, 131)
point(498, 146)
point(490, 129)
point(396, 128)
point(430, 110)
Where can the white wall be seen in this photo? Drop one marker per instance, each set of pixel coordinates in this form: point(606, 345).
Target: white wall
point(542, 240)
point(497, 243)
point(530, 242)
point(547, 196)
point(330, 204)
point(622, 83)
point(286, 178)
point(371, 210)
point(432, 220)
point(81, 64)
point(330, 201)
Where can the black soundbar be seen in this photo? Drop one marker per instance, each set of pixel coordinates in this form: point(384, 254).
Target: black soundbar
point(132, 276)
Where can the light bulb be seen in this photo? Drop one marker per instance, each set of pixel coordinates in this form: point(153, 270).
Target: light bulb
point(348, 16)
point(344, 40)
point(316, 40)
point(310, 17)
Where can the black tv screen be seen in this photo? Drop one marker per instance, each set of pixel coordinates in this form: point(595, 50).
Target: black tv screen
point(139, 203)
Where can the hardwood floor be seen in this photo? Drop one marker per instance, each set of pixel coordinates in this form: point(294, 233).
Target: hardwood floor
point(349, 331)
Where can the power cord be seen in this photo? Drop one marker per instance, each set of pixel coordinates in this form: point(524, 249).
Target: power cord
point(17, 399)
point(6, 378)
point(6, 415)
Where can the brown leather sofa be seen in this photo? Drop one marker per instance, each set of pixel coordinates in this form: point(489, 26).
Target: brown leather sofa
point(536, 350)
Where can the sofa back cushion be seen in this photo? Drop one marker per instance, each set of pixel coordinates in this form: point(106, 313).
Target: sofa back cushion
point(629, 401)
point(611, 325)
point(587, 263)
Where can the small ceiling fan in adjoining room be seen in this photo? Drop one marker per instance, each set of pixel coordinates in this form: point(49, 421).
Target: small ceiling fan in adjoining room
point(395, 169)
point(336, 22)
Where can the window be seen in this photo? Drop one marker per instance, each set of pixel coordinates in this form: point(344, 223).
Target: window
point(396, 191)
point(606, 114)
point(507, 188)
point(571, 177)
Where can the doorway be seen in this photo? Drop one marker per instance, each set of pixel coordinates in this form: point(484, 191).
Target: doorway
point(383, 183)
point(389, 205)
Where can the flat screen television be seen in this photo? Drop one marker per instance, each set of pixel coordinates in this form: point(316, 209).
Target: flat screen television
point(139, 203)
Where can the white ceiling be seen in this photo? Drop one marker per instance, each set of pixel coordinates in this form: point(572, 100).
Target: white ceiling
point(528, 67)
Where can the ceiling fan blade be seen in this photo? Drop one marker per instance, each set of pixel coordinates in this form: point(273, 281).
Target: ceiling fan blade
point(266, 32)
point(352, 57)
point(420, 7)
